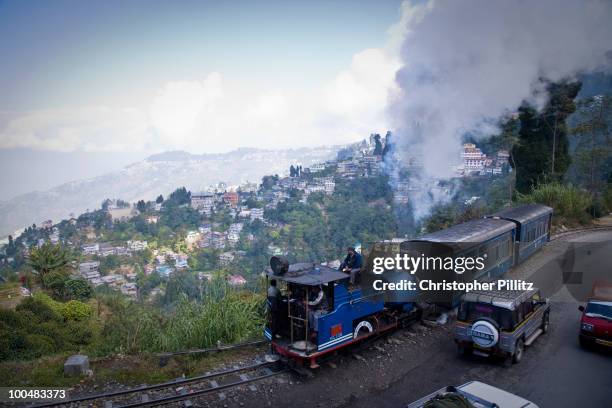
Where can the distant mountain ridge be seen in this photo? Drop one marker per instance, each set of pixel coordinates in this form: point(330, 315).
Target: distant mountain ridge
point(158, 174)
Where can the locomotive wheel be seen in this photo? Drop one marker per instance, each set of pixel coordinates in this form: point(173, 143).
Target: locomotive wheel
point(363, 328)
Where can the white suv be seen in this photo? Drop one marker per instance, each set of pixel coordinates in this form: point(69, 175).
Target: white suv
point(480, 395)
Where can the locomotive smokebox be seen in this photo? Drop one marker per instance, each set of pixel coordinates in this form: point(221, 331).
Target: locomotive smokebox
point(279, 265)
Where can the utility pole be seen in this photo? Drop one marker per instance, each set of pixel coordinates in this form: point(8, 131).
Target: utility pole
point(554, 146)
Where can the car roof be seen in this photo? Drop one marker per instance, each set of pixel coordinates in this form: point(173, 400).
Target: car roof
point(501, 398)
point(310, 274)
point(507, 299)
point(602, 290)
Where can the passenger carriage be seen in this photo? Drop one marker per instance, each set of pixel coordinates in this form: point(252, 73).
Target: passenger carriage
point(490, 239)
point(533, 222)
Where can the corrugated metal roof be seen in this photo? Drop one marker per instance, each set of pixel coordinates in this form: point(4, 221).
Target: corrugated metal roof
point(522, 213)
point(471, 231)
point(308, 274)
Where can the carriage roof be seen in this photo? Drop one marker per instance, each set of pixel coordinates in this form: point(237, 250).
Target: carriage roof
point(522, 213)
point(479, 230)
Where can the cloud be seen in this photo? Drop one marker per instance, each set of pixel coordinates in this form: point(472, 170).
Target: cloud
point(90, 129)
point(219, 113)
point(177, 107)
point(271, 105)
point(466, 64)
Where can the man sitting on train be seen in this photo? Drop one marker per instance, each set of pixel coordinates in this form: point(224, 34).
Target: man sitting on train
point(352, 264)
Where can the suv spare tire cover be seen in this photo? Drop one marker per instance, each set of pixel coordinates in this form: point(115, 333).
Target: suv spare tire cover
point(484, 333)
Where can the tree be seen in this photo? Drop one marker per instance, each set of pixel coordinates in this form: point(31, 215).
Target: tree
point(543, 149)
point(267, 182)
point(77, 289)
point(122, 203)
point(378, 150)
point(48, 258)
point(106, 203)
point(292, 171)
point(181, 284)
point(388, 144)
point(141, 206)
point(593, 143)
point(178, 197)
point(159, 199)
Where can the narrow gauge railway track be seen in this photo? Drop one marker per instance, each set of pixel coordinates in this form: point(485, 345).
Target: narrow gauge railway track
point(175, 390)
point(579, 231)
point(222, 347)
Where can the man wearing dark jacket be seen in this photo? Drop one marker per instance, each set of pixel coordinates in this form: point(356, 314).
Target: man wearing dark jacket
point(352, 263)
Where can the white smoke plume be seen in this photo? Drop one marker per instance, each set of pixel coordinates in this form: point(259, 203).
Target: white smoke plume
point(465, 64)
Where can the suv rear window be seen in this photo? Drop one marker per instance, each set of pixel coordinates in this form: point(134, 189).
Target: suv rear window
point(470, 312)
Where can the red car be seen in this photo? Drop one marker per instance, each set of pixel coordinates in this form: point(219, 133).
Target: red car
point(596, 322)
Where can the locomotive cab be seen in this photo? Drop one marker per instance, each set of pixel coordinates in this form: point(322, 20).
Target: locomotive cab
point(307, 294)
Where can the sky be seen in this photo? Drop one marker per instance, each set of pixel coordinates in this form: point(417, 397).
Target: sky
point(89, 86)
point(200, 76)
point(112, 82)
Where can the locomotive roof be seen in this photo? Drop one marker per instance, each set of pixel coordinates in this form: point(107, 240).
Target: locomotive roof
point(308, 274)
point(478, 230)
point(522, 213)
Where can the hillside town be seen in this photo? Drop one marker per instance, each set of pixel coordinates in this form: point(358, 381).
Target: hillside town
point(227, 218)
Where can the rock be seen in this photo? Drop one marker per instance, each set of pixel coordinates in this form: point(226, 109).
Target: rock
point(76, 365)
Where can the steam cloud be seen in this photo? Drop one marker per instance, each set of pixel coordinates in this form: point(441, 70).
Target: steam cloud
point(468, 63)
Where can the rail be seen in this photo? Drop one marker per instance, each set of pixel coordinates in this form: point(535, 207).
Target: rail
point(108, 397)
point(212, 349)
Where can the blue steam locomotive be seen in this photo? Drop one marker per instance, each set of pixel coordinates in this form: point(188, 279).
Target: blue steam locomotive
point(317, 312)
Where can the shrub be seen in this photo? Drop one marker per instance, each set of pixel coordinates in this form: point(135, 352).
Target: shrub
point(79, 333)
point(40, 309)
point(39, 345)
point(77, 288)
point(76, 311)
point(570, 204)
point(10, 318)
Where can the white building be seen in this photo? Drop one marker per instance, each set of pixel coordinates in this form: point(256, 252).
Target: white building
point(90, 249)
point(226, 258)
point(203, 202)
point(257, 214)
point(192, 237)
point(137, 245)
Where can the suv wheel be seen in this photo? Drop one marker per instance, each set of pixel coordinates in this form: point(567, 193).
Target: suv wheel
point(518, 351)
point(464, 350)
point(545, 323)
